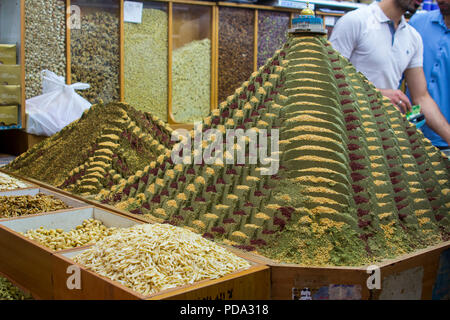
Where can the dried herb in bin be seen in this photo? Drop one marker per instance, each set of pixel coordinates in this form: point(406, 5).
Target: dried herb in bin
point(236, 40)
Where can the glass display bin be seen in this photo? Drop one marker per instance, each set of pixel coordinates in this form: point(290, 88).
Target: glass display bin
point(95, 49)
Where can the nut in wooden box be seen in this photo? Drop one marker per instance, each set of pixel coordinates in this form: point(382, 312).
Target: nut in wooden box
point(31, 264)
point(8, 54)
point(9, 115)
point(10, 74)
point(10, 94)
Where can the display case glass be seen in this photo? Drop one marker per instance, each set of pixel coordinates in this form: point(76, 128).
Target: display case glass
point(272, 33)
point(95, 48)
point(146, 60)
point(236, 48)
point(191, 62)
point(45, 42)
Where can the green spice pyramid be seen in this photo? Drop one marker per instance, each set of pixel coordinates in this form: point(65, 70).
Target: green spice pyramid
point(357, 182)
point(106, 145)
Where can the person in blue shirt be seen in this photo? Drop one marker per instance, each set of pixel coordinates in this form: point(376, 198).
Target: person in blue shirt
point(379, 42)
point(434, 27)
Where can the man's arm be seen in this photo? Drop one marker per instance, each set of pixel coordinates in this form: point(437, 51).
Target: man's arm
point(345, 35)
point(415, 79)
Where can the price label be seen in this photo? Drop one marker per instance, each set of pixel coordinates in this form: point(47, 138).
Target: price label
point(330, 21)
point(132, 11)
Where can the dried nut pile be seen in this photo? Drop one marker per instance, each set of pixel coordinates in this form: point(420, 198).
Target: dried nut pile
point(9, 183)
point(90, 231)
point(10, 292)
point(45, 42)
point(95, 55)
point(16, 206)
point(191, 95)
point(146, 63)
point(153, 257)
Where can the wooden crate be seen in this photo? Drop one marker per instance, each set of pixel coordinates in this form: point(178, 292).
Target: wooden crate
point(411, 276)
point(252, 283)
point(30, 264)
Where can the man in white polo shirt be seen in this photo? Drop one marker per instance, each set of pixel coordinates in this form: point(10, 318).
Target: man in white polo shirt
point(383, 46)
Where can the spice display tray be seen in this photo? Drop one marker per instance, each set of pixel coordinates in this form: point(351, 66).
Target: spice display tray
point(410, 276)
point(49, 188)
point(29, 263)
point(252, 283)
point(72, 202)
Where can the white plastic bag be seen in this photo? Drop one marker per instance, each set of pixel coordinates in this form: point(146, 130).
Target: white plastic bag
point(58, 106)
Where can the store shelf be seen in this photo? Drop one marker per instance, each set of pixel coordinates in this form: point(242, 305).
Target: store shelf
point(43, 271)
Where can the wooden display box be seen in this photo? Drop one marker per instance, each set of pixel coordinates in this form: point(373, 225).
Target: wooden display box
point(411, 276)
point(30, 264)
point(252, 283)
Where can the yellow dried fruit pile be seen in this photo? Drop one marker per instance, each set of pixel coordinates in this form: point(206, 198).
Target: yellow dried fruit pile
point(153, 257)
